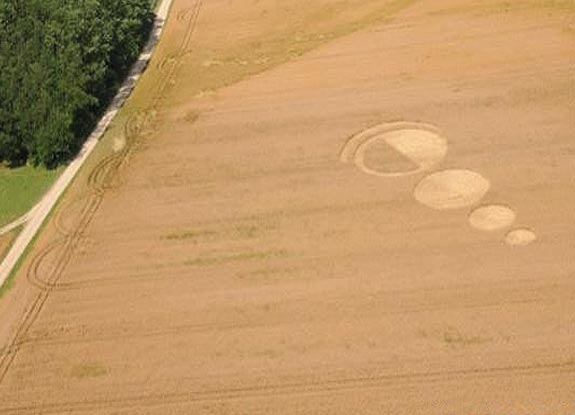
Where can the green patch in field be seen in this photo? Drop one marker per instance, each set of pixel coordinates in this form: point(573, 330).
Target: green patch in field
point(243, 231)
point(189, 235)
point(89, 371)
point(21, 188)
point(247, 256)
point(268, 273)
point(455, 338)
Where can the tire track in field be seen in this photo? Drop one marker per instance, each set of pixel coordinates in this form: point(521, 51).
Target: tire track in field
point(293, 388)
point(185, 15)
point(99, 181)
point(135, 332)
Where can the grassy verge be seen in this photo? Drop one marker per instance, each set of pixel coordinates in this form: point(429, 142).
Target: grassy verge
point(6, 242)
point(21, 188)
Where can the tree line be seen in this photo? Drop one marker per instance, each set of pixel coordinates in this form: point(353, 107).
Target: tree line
point(61, 61)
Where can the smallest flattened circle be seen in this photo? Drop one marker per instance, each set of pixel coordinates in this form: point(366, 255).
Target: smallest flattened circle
point(520, 237)
point(119, 144)
point(491, 217)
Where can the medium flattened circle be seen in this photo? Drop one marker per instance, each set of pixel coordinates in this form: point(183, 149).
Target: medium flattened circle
point(451, 189)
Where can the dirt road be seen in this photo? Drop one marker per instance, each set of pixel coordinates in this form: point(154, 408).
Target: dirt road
point(358, 207)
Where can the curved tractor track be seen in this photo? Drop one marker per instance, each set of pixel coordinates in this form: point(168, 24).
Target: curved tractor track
point(100, 180)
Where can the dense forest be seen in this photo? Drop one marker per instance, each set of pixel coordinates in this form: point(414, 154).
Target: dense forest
point(61, 62)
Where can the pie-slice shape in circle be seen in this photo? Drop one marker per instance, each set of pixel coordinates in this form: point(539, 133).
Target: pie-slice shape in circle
point(400, 152)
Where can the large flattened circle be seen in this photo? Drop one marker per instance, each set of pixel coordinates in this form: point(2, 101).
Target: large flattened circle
point(451, 189)
point(421, 148)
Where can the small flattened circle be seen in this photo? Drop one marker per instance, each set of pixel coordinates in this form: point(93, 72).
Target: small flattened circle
point(492, 217)
point(520, 237)
point(119, 144)
point(451, 189)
